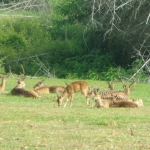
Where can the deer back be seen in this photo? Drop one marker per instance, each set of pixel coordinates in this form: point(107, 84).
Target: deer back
point(42, 90)
point(139, 102)
point(120, 95)
point(123, 103)
point(78, 86)
point(56, 89)
point(24, 92)
point(39, 85)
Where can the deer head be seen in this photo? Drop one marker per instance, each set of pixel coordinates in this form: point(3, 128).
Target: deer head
point(39, 84)
point(92, 93)
point(20, 81)
point(111, 85)
point(126, 89)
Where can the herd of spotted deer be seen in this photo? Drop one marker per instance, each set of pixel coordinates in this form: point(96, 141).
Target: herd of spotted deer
point(105, 99)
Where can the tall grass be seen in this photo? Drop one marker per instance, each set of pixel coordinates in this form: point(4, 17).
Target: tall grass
point(27, 123)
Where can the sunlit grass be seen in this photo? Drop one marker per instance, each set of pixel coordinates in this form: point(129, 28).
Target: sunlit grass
point(27, 123)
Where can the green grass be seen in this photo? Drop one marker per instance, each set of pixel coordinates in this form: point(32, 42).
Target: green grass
point(31, 124)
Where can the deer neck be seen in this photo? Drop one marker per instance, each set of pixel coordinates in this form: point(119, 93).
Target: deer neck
point(64, 94)
point(127, 91)
point(3, 83)
point(99, 101)
point(18, 86)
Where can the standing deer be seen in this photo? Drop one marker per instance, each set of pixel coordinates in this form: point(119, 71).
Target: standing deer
point(19, 89)
point(42, 89)
point(71, 89)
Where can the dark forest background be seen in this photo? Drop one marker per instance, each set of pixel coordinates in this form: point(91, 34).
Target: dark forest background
point(76, 39)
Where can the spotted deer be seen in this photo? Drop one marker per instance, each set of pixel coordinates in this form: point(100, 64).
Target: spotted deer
point(71, 89)
point(123, 103)
point(120, 95)
point(113, 102)
point(138, 101)
point(19, 89)
point(42, 89)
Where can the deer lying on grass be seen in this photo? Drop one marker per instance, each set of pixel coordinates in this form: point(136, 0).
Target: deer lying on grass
point(101, 103)
point(19, 89)
point(120, 95)
point(138, 101)
point(77, 86)
point(112, 102)
point(42, 89)
point(123, 103)
point(24, 92)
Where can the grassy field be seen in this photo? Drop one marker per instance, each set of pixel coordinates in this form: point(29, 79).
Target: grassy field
point(29, 124)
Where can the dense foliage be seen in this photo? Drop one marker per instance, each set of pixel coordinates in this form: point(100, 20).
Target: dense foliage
point(74, 42)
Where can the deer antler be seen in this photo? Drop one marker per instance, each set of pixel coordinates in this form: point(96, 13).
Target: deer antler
point(124, 85)
point(132, 83)
point(23, 73)
point(11, 72)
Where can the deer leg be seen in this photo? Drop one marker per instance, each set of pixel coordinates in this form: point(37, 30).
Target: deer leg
point(85, 93)
point(71, 99)
point(66, 102)
point(87, 101)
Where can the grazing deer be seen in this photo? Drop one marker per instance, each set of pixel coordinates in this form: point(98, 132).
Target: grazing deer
point(42, 89)
point(19, 89)
point(77, 86)
point(2, 85)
